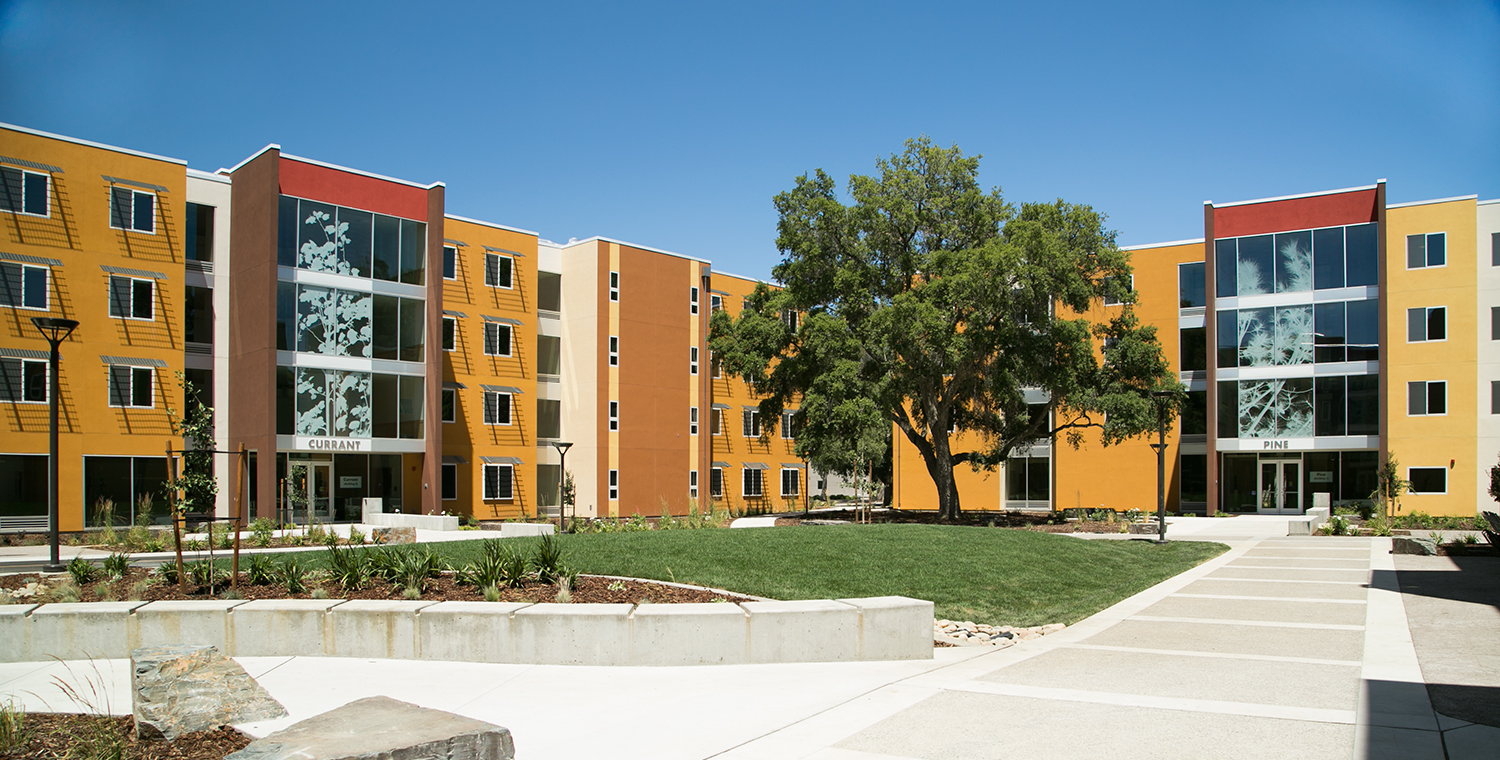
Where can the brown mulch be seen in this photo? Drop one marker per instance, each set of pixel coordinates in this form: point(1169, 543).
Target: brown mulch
point(51, 736)
point(590, 590)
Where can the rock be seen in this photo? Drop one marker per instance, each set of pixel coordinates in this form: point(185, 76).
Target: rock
point(1053, 627)
point(1414, 545)
point(179, 689)
point(394, 535)
point(381, 728)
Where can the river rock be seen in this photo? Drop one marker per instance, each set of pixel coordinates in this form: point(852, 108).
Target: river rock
point(381, 728)
point(1414, 545)
point(394, 535)
point(179, 689)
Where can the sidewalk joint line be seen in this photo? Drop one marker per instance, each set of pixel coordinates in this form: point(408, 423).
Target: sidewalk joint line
point(1220, 655)
point(1257, 623)
point(1281, 580)
point(1249, 709)
point(1273, 598)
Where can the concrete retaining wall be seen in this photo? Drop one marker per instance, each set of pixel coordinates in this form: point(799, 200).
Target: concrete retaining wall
point(844, 630)
point(397, 520)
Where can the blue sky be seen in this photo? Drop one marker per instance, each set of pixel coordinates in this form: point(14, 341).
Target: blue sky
point(673, 124)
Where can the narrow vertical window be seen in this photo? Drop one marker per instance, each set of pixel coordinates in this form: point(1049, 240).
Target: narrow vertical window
point(692, 484)
point(614, 351)
point(614, 286)
point(24, 286)
point(450, 333)
point(693, 300)
point(751, 423)
point(614, 415)
point(692, 420)
point(450, 262)
point(693, 360)
point(614, 485)
point(450, 405)
point(450, 481)
point(790, 482)
point(716, 483)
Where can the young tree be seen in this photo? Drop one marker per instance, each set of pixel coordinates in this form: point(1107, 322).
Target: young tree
point(934, 305)
point(195, 481)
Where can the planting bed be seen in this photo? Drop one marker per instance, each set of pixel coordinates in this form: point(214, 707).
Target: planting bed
point(49, 736)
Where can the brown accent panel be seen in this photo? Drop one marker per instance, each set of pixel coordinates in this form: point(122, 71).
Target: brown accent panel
point(1330, 210)
point(322, 183)
point(252, 332)
point(654, 398)
point(1211, 333)
point(1384, 384)
point(432, 415)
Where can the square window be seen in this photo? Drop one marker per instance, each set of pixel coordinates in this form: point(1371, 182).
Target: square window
point(692, 360)
point(1426, 324)
point(131, 386)
point(693, 300)
point(497, 339)
point(1110, 300)
point(24, 286)
point(715, 303)
point(24, 381)
point(716, 483)
point(499, 482)
point(614, 286)
point(130, 298)
point(498, 270)
point(450, 262)
point(791, 481)
point(614, 351)
point(693, 420)
point(450, 405)
point(614, 485)
point(1428, 250)
point(752, 483)
point(614, 415)
point(24, 192)
point(1427, 398)
point(751, 423)
point(450, 333)
point(1432, 480)
point(450, 481)
point(496, 408)
point(132, 210)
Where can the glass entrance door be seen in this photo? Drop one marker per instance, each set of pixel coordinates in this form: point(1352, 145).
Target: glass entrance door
point(320, 490)
point(1280, 487)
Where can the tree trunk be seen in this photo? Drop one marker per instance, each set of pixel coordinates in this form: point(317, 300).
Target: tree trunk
point(941, 470)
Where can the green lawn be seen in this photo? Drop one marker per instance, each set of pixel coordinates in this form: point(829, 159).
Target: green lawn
point(988, 575)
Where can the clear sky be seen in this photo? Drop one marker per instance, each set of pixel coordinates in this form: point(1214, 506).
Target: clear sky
point(672, 125)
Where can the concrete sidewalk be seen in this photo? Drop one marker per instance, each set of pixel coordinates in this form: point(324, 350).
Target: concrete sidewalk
point(1281, 648)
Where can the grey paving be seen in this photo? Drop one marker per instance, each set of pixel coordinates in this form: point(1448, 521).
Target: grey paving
point(1240, 586)
point(1350, 575)
point(1453, 605)
point(1228, 638)
point(1311, 611)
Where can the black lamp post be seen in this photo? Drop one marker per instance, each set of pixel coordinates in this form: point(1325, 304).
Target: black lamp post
point(1160, 446)
point(56, 331)
point(562, 475)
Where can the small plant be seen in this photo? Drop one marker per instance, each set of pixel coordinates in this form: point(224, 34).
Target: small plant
point(1468, 539)
point(319, 593)
point(356, 536)
point(66, 593)
point(350, 568)
point(207, 573)
point(117, 565)
point(83, 571)
point(138, 589)
point(262, 531)
point(491, 594)
point(564, 590)
point(1337, 525)
point(315, 533)
point(155, 544)
point(617, 586)
point(637, 522)
point(104, 517)
point(262, 570)
point(100, 736)
point(411, 592)
point(166, 572)
point(292, 575)
point(13, 733)
point(666, 521)
point(226, 537)
point(547, 560)
point(194, 545)
point(331, 538)
point(410, 567)
point(1379, 526)
point(230, 593)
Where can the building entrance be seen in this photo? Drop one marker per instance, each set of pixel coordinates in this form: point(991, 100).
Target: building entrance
point(310, 491)
point(1280, 487)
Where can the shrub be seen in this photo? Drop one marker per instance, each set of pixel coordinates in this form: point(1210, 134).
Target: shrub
point(13, 733)
point(498, 565)
point(410, 567)
point(350, 568)
point(206, 573)
point(356, 536)
point(292, 575)
point(262, 531)
point(116, 565)
point(262, 570)
point(83, 571)
point(166, 572)
point(547, 559)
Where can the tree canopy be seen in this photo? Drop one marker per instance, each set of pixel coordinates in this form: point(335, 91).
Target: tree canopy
point(932, 304)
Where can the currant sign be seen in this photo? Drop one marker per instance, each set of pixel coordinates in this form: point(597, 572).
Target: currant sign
point(332, 444)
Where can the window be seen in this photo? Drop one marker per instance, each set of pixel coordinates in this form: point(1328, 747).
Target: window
point(499, 482)
point(132, 210)
point(1427, 398)
point(450, 405)
point(131, 386)
point(450, 481)
point(1433, 480)
point(497, 270)
point(1110, 300)
point(692, 420)
point(745, 303)
point(751, 423)
point(198, 315)
point(450, 262)
point(548, 291)
point(496, 339)
point(790, 481)
point(1495, 249)
point(548, 355)
point(450, 333)
point(23, 192)
point(788, 425)
point(200, 232)
point(614, 416)
point(1190, 294)
point(1426, 324)
point(716, 421)
point(614, 485)
point(1289, 262)
point(790, 319)
point(1193, 356)
point(23, 286)
point(752, 483)
point(716, 366)
point(1495, 397)
point(548, 418)
point(496, 408)
point(131, 298)
point(1495, 323)
point(716, 483)
point(692, 484)
point(715, 303)
point(614, 286)
point(23, 380)
point(692, 300)
point(693, 359)
point(1424, 251)
point(614, 351)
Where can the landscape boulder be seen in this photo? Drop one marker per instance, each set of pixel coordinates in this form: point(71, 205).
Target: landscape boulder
point(1414, 545)
point(394, 535)
point(184, 688)
point(381, 728)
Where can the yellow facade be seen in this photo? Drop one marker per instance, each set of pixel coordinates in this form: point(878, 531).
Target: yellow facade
point(1443, 440)
point(469, 301)
point(76, 232)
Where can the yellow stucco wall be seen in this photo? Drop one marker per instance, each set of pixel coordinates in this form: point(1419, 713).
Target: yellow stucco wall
point(77, 233)
point(1442, 440)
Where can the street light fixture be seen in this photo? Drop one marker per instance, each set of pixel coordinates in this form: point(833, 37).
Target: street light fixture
point(1161, 397)
point(55, 330)
point(562, 475)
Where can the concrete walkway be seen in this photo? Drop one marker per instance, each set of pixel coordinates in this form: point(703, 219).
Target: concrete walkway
point(1280, 648)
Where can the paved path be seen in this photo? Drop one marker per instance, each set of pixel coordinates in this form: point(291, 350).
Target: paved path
point(1280, 648)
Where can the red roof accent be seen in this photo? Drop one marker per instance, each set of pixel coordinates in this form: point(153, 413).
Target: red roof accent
point(1332, 210)
point(320, 183)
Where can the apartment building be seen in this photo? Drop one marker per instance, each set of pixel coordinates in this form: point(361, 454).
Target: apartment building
point(1315, 334)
